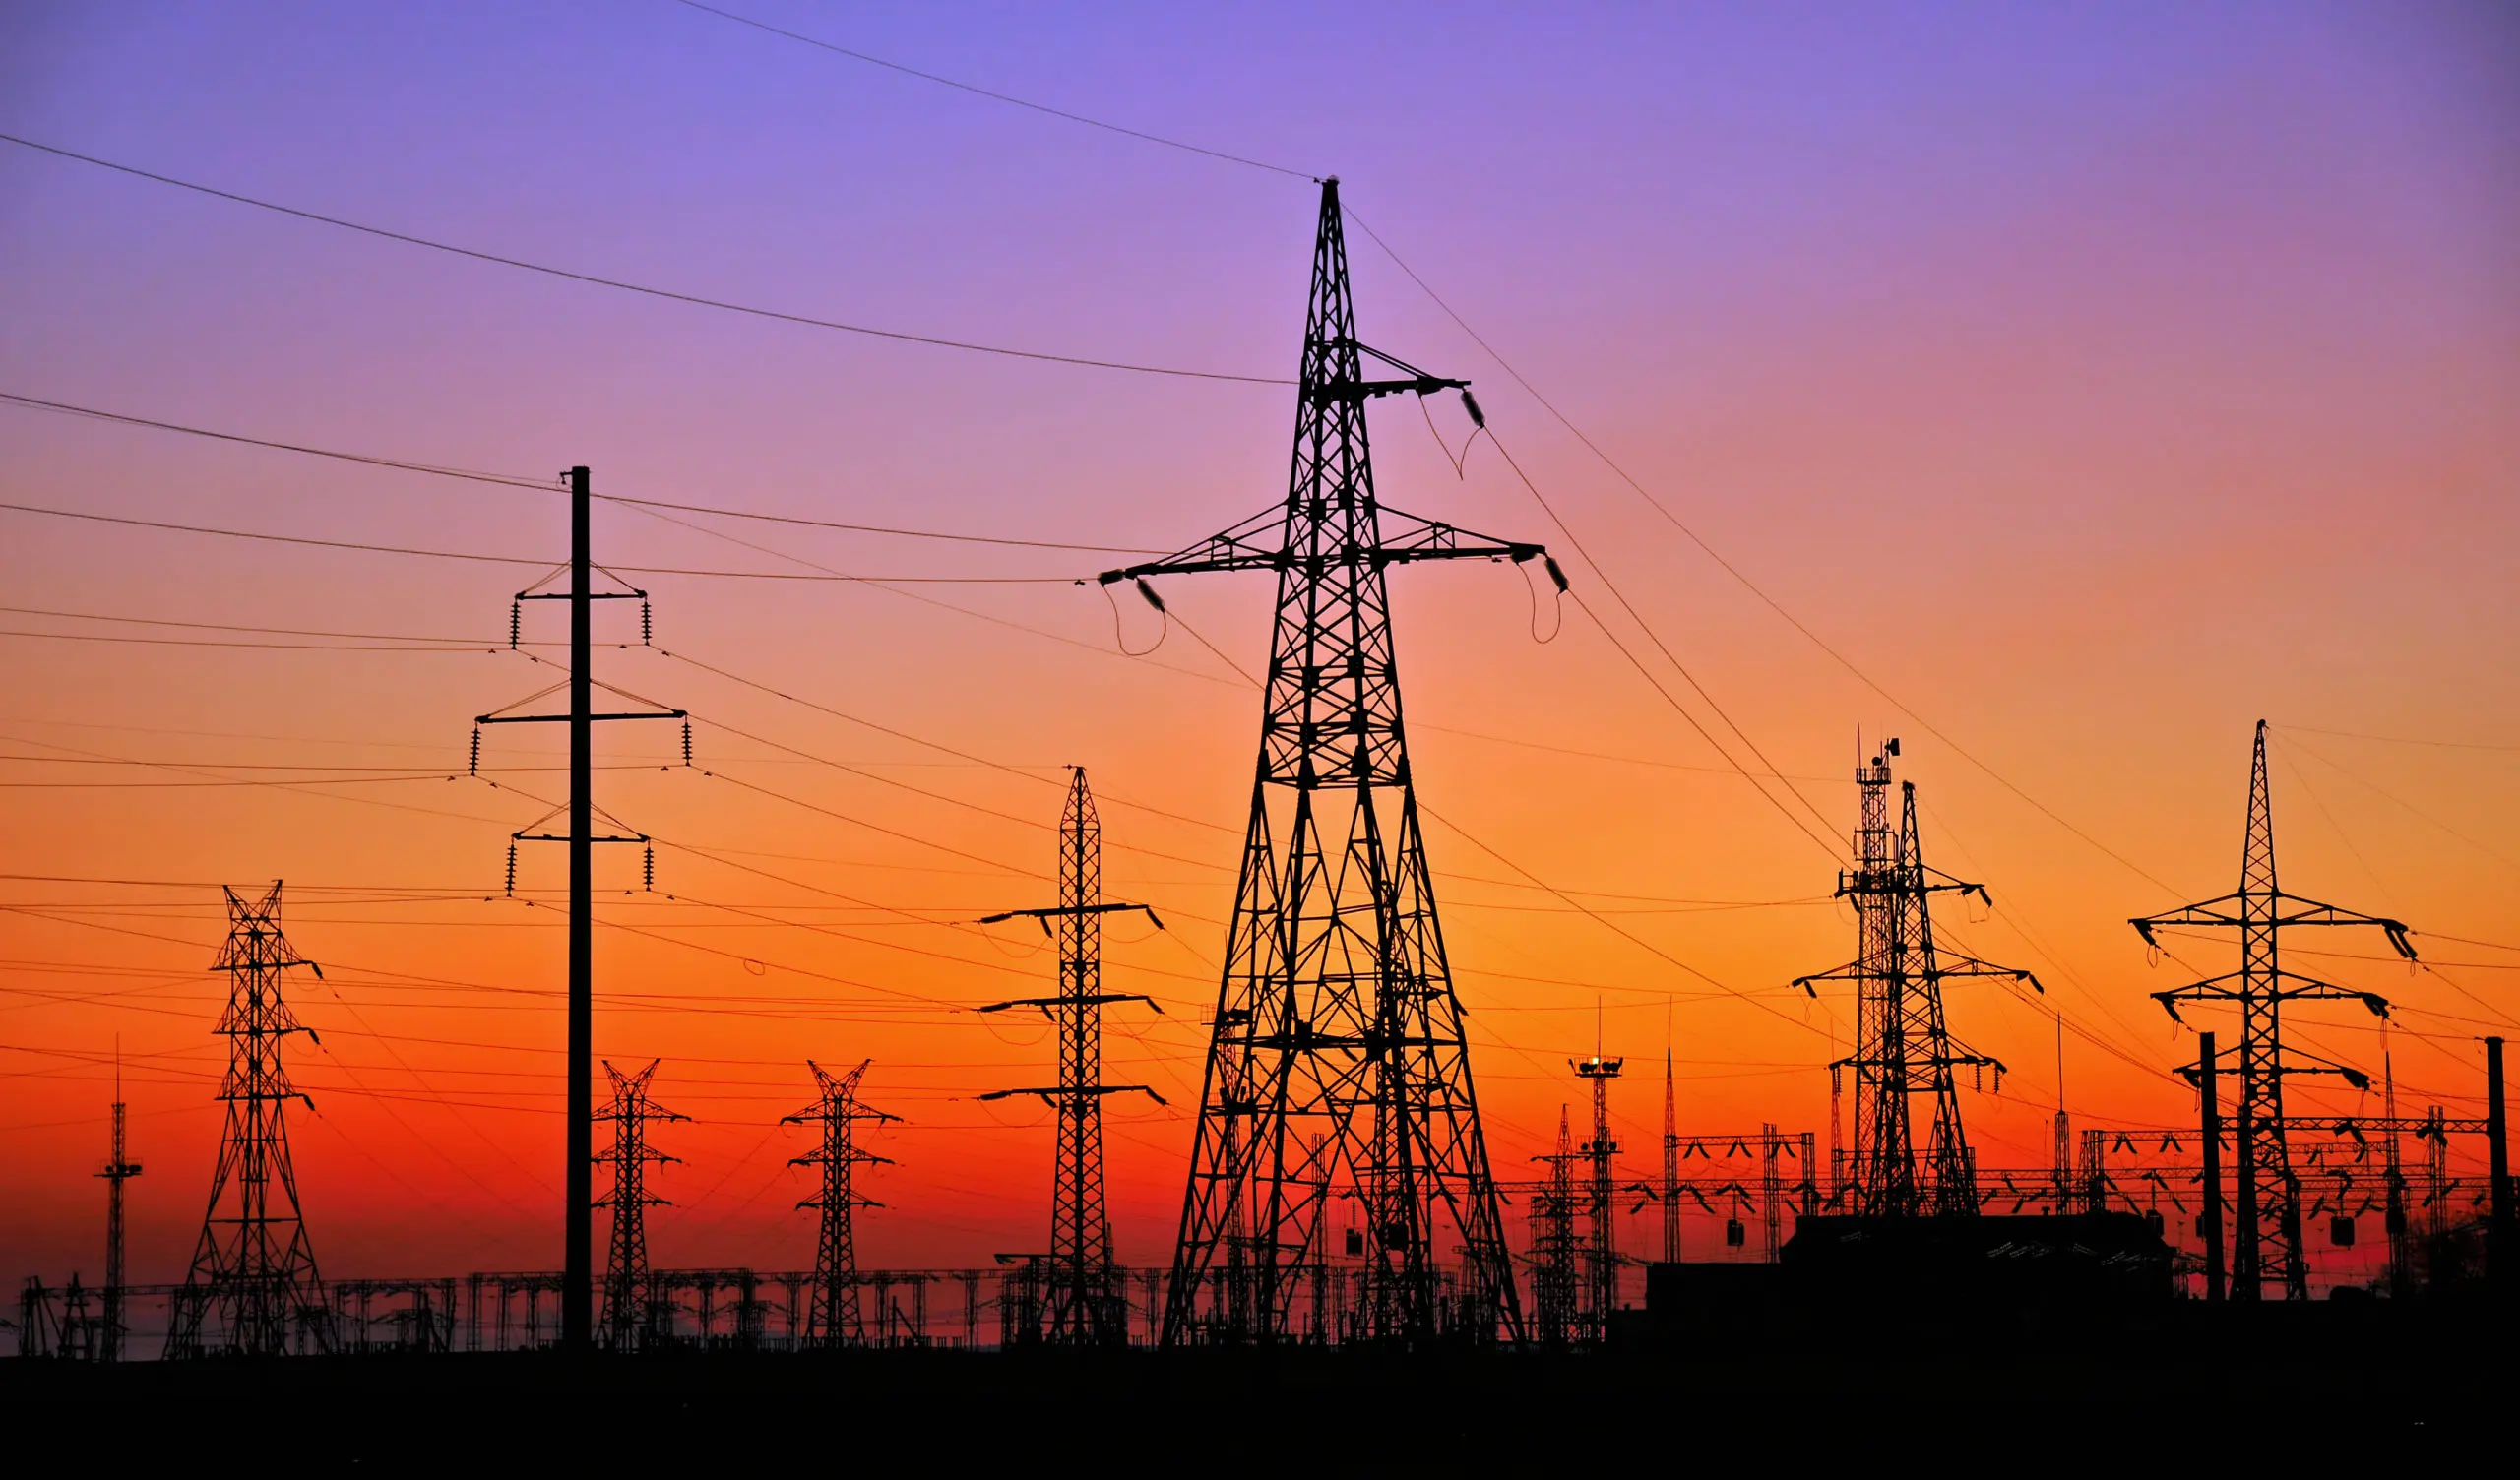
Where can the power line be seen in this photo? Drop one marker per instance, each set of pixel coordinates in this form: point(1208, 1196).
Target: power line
point(508, 480)
point(511, 480)
point(644, 291)
point(947, 82)
point(634, 570)
point(1735, 573)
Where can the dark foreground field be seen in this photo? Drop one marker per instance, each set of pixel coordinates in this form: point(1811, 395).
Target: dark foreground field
point(2310, 1381)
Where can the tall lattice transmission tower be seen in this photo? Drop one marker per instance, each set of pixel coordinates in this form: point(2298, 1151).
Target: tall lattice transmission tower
point(1903, 1049)
point(630, 1320)
point(253, 1289)
point(1336, 1017)
point(2267, 1224)
point(1600, 1200)
point(112, 1326)
point(834, 1318)
point(1556, 1288)
point(1084, 1300)
point(1669, 1194)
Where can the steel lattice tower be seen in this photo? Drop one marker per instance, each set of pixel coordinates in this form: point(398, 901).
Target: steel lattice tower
point(1335, 1015)
point(253, 1289)
point(835, 1318)
point(1671, 1191)
point(1082, 1294)
point(2267, 1233)
point(628, 1319)
point(1601, 1202)
point(1903, 1046)
point(111, 1325)
point(1556, 1288)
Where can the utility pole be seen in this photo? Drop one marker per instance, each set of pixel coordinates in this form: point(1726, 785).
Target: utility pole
point(1903, 1046)
point(253, 1289)
point(1336, 1012)
point(1087, 1304)
point(2209, 1098)
point(577, 1281)
point(1601, 1205)
point(121, 1169)
point(837, 1319)
point(2269, 1250)
point(2499, 1249)
point(629, 1319)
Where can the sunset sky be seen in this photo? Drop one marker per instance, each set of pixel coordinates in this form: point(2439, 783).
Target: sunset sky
point(2058, 388)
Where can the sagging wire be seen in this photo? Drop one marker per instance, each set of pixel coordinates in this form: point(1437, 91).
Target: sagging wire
point(1120, 640)
point(1478, 425)
point(1557, 578)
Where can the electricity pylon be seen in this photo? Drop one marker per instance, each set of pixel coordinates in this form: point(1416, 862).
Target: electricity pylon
point(1669, 1196)
point(1083, 1295)
point(1555, 1289)
point(1600, 1203)
point(577, 1157)
point(2267, 1236)
point(835, 1319)
point(112, 1326)
point(253, 1289)
point(1337, 1023)
point(1903, 1046)
point(628, 1321)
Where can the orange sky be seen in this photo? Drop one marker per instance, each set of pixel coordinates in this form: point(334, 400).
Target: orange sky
point(2096, 394)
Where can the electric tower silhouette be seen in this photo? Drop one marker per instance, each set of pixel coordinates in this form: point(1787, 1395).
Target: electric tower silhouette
point(112, 1326)
point(2266, 1247)
point(577, 1157)
point(1337, 1025)
point(1601, 1202)
point(1903, 1048)
point(1669, 1194)
point(1083, 1299)
point(253, 1289)
point(834, 1318)
point(1557, 1290)
point(630, 1320)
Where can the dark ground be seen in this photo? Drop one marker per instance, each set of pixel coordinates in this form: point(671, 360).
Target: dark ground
point(2319, 1381)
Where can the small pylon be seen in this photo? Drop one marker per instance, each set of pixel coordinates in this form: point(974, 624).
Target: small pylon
point(1903, 1047)
point(1082, 1296)
point(1601, 1202)
point(2267, 1233)
point(1555, 1291)
point(834, 1318)
point(253, 1289)
point(1669, 1196)
point(630, 1319)
point(113, 1324)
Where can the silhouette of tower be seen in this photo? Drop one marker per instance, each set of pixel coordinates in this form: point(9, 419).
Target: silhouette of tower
point(1600, 1203)
point(1335, 1015)
point(1082, 1294)
point(630, 1320)
point(111, 1324)
point(1670, 1191)
point(835, 1318)
point(1903, 1047)
point(2266, 1244)
point(253, 1289)
point(1556, 1291)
